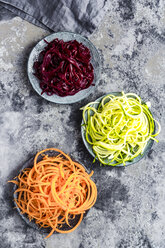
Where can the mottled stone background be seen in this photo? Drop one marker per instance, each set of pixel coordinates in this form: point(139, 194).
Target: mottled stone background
point(130, 208)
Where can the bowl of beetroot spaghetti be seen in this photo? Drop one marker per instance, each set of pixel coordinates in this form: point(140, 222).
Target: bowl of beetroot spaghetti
point(64, 67)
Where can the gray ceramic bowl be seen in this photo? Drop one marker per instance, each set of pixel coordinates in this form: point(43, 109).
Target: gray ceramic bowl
point(29, 164)
point(66, 36)
point(89, 146)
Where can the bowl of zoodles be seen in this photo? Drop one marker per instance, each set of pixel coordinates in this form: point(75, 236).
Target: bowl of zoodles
point(118, 129)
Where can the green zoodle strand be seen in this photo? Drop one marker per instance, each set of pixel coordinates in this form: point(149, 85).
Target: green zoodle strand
point(119, 128)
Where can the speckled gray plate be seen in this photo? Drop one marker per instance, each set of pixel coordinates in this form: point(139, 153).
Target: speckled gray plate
point(66, 36)
point(29, 164)
point(89, 147)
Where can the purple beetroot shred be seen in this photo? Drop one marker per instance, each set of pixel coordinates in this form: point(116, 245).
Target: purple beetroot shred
point(64, 68)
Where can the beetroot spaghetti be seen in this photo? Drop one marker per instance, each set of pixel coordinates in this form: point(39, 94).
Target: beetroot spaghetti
point(64, 68)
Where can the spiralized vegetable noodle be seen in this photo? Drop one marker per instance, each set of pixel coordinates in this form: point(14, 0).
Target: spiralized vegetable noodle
point(64, 68)
point(119, 128)
point(55, 191)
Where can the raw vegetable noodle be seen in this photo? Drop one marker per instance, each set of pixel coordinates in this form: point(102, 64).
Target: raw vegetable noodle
point(119, 128)
point(55, 191)
point(64, 68)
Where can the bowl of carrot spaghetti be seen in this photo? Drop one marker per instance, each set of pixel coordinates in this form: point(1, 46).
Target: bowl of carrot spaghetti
point(53, 192)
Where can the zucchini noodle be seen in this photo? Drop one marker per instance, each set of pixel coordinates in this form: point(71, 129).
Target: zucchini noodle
point(119, 128)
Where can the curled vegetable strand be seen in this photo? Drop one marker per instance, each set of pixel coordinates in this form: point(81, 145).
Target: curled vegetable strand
point(64, 68)
point(119, 128)
point(55, 191)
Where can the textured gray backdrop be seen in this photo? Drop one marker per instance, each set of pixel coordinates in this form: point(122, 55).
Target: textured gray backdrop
point(130, 209)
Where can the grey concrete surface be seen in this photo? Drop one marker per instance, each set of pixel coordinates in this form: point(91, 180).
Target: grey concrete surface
point(130, 209)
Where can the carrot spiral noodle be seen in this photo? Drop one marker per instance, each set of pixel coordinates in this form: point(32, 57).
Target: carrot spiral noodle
point(55, 191)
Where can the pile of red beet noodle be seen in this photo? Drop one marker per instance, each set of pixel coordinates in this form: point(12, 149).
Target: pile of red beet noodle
point(64, 68)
